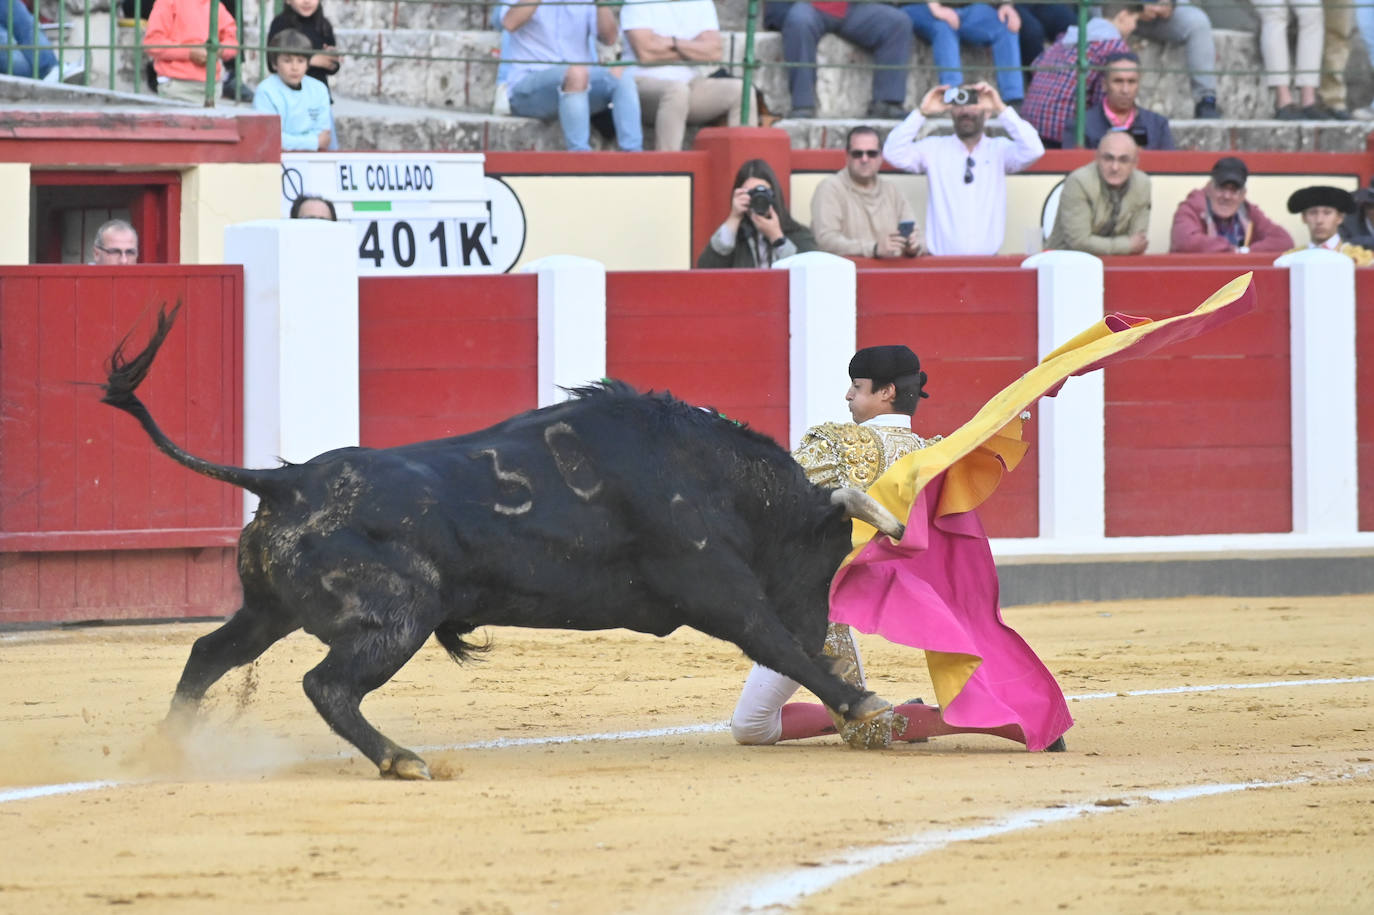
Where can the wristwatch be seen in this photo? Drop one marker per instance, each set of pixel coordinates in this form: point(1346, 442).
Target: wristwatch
point(779, 241)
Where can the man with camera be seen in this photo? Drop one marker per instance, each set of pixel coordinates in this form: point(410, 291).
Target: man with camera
point(967, 172)
point(1119, 111)
point(856, 213)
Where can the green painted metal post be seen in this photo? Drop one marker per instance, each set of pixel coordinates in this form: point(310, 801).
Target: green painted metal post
point(212, 55)
point(747, 89)
point(1081, 103)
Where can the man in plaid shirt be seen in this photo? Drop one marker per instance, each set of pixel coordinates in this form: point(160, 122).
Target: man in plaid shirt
point(1053, 93)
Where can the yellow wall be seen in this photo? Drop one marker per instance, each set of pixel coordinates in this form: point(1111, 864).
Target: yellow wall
point(1026, 195)
point(14, 203)
point(216, 195)
point(628, 222)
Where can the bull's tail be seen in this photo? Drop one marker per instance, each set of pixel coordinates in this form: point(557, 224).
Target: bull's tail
point(125, 375)
point(450, 635)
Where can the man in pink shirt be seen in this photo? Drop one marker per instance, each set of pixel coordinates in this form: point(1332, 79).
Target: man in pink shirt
point(182, 28)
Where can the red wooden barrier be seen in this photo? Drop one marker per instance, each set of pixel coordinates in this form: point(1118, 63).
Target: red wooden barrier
point(444, 355)
point(975, 333)
point(1198, 434)
point(1364, 392)
point(94, 522)
point(719, 340)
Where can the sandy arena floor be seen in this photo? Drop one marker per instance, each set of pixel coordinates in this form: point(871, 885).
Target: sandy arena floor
point(267, 811)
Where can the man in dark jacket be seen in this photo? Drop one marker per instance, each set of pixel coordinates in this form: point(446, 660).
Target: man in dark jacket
point(1119, 111)
point(1358, 227)
point(1217, 218)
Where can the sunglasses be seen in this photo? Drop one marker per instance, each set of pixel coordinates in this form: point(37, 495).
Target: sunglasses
point(865, 153)
point(968, 170)
point(126, 252)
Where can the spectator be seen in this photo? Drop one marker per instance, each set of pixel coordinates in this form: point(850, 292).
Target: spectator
point(302, 103)
point(234, 90)
point(857, 212)
point(185, 26)
point(1053, 94)
point(1185, 24)
point(1322, 208)
point(1338, 25)
point(553, 31)
point(881, 30)
point(310, 206)
point(115, 242)
point(674, 95)
point(1358, 227)
point(1041, 24)
point(307, 17)
point(944, 25)
point(967, 209)
point(1278, 69)
point(17, 28)
point(1364, 16)
point(1119, 110)
point(1217, 218)
point(759, 230)
point(1105, 206)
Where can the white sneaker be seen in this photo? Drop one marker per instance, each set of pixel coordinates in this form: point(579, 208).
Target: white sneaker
point(1363, 114)
point(501, 104)
point(72, 71)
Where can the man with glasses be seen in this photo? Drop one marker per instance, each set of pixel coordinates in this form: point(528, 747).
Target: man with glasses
point(1105, 206)
point(115, 242)
point(967, 172)
point(1217, 219)
point(857, 213)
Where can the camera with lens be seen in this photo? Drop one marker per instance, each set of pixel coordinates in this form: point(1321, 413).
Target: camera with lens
point(960, 95)
point(761, 199)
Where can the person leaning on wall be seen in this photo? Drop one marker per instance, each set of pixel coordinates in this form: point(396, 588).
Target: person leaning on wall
point(758, 230)
point(309, 206)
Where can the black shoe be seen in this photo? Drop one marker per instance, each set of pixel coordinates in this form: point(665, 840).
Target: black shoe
point(1206, 109)
point(1289, 113)
point(1317, 112)
point(236, 91)
point(887, 111)
point(1057, 747)
point(802, 111)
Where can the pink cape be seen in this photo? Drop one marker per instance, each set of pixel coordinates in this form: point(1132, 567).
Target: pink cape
point(937, 590)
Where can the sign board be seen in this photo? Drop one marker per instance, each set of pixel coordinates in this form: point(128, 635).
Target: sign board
point(415, 213)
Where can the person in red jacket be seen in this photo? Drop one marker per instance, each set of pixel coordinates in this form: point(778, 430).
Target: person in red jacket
point(185, 24)
point(1217, 218)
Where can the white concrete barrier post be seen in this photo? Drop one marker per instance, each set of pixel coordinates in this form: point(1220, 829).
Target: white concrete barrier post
point(1072, 435)
point(822, 290)
point(572, 324)
point(1321, 321)
point(300, 338)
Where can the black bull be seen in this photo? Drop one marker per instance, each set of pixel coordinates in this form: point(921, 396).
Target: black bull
point(611, 510)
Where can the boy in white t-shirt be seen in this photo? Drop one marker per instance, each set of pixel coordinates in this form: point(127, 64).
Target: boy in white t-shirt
point(668, 39)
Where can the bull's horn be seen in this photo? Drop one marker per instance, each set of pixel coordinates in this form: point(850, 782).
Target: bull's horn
point(860, 505)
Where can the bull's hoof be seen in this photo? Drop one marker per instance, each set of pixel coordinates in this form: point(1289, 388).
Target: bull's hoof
point(867, 707)
point(404, 765)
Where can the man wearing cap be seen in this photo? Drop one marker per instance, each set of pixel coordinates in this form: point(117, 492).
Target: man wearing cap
point(886, 385)
point(1322, 208)
point(1358, 227)
point(1218, 219)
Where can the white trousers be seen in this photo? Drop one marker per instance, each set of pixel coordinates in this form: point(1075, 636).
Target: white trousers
point(1278, 70)
point(758, 713)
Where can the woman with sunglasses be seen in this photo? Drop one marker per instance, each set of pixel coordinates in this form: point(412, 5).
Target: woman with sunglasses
point(758, 230)
point(856, 212)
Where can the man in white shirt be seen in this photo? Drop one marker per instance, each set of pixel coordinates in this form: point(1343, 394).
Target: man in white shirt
point(552, 31)
point(967, 209)
point(672, 94)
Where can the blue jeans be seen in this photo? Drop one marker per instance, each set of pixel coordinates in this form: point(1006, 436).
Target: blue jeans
point(978, 25)
point(540, 95)
point(874, 27)
point(1364, 19)
point(19, 30)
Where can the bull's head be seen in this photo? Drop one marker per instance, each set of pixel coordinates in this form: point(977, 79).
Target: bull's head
point(863, 507)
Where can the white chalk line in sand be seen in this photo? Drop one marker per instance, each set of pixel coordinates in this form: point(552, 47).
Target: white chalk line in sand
point(784, 890)
point(502, 743)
